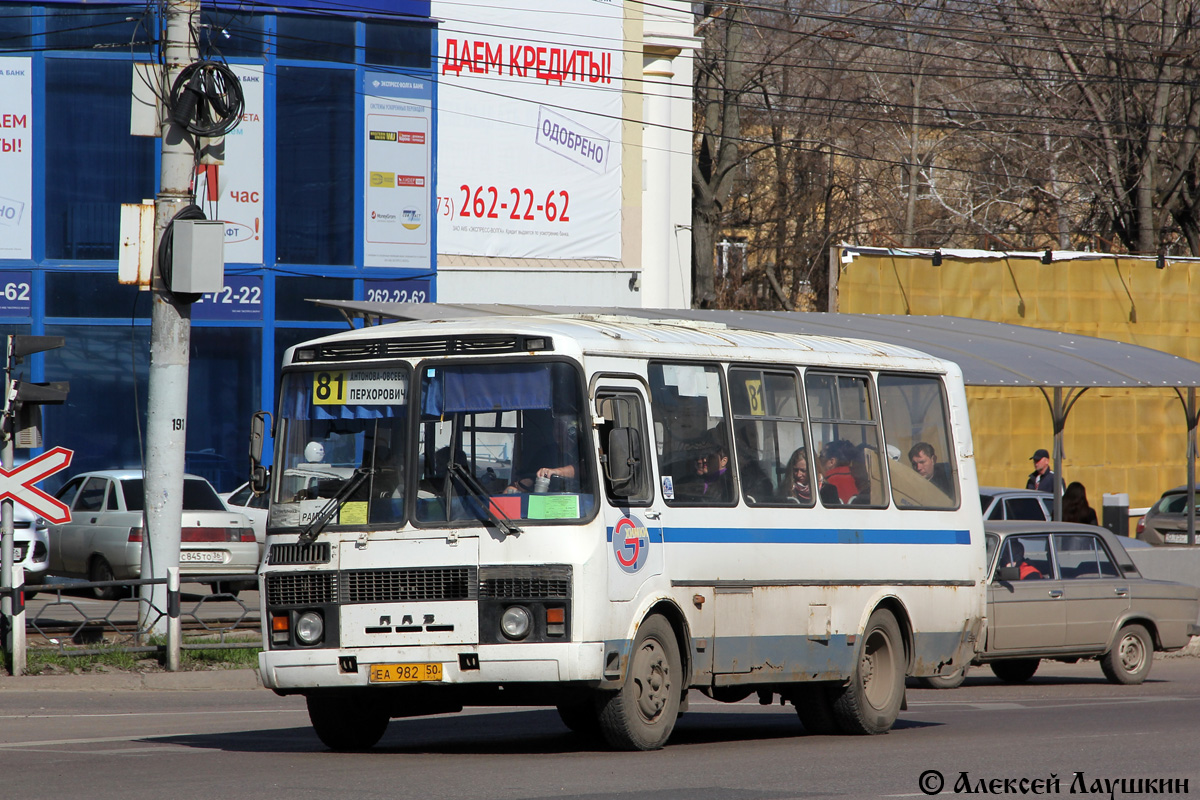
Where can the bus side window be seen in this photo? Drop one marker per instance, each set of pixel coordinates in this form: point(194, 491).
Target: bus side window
point(846, 440)
point(772, 456)
point(696, 467)
point(624, 449)
point(924, 473)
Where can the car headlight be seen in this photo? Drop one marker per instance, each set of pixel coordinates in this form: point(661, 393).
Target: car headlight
point(516, 622)
point(310, 627)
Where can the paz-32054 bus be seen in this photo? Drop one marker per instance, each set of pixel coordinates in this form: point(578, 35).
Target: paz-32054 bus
point(601, 514)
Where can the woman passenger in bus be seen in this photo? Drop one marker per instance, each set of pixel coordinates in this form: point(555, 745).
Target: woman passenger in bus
point(836, 460)
point(796, 484)
point(711, 480)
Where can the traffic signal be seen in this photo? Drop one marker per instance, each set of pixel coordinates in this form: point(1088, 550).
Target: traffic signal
point(24, 399)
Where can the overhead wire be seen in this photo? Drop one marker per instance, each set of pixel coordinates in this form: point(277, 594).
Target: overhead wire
point(936, 116)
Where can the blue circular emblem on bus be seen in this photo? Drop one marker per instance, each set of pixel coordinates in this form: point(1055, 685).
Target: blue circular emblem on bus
point(631, 544)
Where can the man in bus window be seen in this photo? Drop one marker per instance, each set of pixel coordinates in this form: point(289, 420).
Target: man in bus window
point(924, 461)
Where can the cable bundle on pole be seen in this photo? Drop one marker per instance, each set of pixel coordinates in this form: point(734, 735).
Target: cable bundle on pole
point(206, 99)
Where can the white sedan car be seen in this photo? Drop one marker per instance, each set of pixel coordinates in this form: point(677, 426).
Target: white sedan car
point(31, 546)
point(254, 506)
point(103, 540)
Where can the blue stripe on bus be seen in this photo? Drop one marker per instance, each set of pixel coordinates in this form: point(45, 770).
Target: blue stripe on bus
point(809, 536)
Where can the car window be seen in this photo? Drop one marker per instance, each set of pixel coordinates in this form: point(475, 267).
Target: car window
point(113, 504)
point(1031, 553)
point(1173, 504)
point(990, 541)
point(241, 497)
point(67, 492)
point(1023, 508)
point(1082, 556)
point(198, 495)
point(91, 496)
point(985, 500)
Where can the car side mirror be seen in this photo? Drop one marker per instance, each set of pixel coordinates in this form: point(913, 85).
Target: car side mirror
point(1008, 574)
point(622, 460)
point(259, 477)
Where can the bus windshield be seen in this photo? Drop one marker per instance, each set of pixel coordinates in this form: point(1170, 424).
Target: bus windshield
point(518, 428)
point(334, 423)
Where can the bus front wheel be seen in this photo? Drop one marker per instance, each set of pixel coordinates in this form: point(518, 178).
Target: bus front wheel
point(871, 702)
point(642, 713)
point(346, 724)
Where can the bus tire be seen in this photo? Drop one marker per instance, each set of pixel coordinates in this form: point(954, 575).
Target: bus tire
point(642, 713)
point(871, 702)
point(814, 707)
point(346, 724)
point(1015, 670)
point(951, 681)
point(1131, 656)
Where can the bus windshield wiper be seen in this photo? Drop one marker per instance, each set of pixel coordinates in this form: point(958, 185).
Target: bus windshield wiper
point(467, 481)
point(335, 504)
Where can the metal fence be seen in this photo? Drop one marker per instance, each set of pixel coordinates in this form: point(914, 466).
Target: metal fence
point(93, 617)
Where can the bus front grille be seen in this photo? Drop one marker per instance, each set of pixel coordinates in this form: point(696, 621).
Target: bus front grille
point(301, 588)
point(297, 553)
point(408, 585)
point(525, 583)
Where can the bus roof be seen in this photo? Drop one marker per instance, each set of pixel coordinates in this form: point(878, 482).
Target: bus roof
point(599, 334)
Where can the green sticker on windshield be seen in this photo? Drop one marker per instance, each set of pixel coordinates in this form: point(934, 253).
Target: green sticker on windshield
point(553, 506)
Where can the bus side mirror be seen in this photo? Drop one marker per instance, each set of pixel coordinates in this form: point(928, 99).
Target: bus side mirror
point(623, 460)
point(259, 477)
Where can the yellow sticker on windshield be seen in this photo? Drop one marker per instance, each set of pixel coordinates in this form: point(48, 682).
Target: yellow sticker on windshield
point(353, 514)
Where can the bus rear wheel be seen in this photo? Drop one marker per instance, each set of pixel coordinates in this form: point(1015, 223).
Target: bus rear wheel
point(642, 713)
point(346, 724)
point(872, 700)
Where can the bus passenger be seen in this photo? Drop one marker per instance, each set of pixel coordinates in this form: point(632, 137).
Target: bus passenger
point(924, 461)
point(711, 480)
point(836, 461)
point(796, 484)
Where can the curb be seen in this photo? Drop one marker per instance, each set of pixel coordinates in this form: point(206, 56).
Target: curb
point(192, 680)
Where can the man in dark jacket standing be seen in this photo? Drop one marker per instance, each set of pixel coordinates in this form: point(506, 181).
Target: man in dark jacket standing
point(1041, 479)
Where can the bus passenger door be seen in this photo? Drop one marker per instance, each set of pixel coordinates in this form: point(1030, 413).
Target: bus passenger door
point(632, 515)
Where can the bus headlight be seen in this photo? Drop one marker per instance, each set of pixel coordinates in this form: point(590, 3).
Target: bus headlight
point(310, 627)
point(516, 622)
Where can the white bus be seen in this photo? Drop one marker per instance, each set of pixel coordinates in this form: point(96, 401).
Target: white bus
point(600, 514)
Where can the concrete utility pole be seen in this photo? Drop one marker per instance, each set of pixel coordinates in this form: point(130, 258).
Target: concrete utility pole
point(170, 339)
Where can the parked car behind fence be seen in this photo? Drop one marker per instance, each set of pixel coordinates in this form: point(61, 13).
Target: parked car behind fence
point(104, 538)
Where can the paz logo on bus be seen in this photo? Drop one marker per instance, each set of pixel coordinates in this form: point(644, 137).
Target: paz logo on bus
point(631, 543)
point(18, 484)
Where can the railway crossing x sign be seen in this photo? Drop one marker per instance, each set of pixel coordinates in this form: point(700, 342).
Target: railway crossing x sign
point(18, 484)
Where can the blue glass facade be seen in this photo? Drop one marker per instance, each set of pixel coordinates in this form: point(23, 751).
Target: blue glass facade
point(85, 164)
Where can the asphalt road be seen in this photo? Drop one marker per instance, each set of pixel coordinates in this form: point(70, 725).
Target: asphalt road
point(74, 736)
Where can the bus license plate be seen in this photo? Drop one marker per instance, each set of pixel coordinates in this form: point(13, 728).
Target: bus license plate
point(401, 673)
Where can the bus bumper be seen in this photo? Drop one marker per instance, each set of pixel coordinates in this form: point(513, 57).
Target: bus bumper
point(289, 671)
